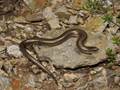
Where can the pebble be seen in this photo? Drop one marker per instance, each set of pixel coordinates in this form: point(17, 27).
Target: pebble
point(48, 13)
point(29, 29)
point(73, 19)
point(70, 77)
point(8, 67)
point(4, 83)
point(54, 23)
point(31, 80)
point(117, 80)
point(14, 51)
point(43, 76)
point(52, 19)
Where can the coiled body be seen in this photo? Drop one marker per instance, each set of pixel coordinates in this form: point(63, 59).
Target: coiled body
point(73, 32)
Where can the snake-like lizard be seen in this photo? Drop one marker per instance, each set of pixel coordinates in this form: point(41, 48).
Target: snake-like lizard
point(78, 33)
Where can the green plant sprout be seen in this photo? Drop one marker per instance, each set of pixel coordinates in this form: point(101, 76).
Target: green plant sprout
point(111, 55)
point(109, 18)
point(94, 6)
point(116, 40)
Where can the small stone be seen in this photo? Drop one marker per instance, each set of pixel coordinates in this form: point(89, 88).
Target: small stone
point(8, 67)
point(98, 69)
point(73, 19)
point(48, 13)
point(52, 19)
point(93, 72)
point(71, 11)
point(43, 76)
point(80, 20)
point(62, 15)
point(61, 9)
point(113, 30)
point(36, 17)
point(4, 83)
point(114, 67)
point(54, 23)
point(99, 80)
point(35, 70)
point(19, 19)
point(31, 80)
point(108, 2)
point(29, 29)
point(70, 77)
point(14, 51)
point(39, 34)
point(117, 80)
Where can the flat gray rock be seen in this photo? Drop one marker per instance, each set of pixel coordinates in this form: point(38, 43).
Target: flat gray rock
point(67, 55)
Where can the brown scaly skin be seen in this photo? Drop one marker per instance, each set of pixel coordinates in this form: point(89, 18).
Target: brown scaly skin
point(72, 32)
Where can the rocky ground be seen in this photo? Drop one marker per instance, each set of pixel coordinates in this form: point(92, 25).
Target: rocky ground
point(23, 19)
